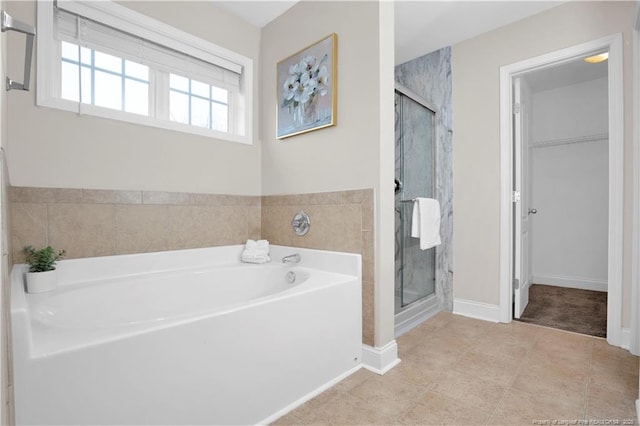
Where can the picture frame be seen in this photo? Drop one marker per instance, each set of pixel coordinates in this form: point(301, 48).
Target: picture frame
point(307, 89)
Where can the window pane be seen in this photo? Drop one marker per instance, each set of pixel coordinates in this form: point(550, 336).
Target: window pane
point(69, 86)
point(178, 83)
point(220, 119)
point(70, 51)
point(220, 95)
point(85, 55)
point(133, 69)
point(199, 112)
point(108, 62)
point(108, 90)
point(136, 97)
point(86, 85)
point(200, 89)
point(112, 82)
point(179, 107)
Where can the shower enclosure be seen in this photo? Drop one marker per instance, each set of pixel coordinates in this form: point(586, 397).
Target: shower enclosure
point(415, 177)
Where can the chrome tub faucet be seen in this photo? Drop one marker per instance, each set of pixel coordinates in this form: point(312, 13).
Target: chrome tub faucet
point(292, 258)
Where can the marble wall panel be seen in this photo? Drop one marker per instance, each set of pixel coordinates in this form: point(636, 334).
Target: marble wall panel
point(429, 77)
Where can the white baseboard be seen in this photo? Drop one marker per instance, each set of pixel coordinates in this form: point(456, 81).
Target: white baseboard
point(625, 338)
point(380, 360)
point(478, 310)
point(570, 282)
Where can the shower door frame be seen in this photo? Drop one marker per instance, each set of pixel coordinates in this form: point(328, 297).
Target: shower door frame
point(425, 307)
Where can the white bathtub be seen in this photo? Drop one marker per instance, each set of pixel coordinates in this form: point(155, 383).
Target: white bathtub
point(184, 337)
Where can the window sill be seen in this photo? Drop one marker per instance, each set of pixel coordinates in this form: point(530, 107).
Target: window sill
point(95, 111)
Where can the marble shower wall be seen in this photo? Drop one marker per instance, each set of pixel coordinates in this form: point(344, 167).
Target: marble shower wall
point(429, 76)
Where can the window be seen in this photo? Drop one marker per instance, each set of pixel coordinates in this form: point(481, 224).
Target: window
point(198, 104)
point(103, 80)
point(103, 59)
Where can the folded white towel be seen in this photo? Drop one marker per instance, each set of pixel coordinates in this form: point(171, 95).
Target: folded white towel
point(256, 252)
point(425, 222)
point(254, 258)
point(253, 244)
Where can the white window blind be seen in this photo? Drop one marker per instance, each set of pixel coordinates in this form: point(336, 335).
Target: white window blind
point(85, 32)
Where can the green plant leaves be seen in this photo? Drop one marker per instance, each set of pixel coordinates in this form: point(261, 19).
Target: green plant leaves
point(42, 260)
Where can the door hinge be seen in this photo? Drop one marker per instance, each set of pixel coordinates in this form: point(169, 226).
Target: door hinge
point(516, 107)
point(516, 283)
point(515, 197)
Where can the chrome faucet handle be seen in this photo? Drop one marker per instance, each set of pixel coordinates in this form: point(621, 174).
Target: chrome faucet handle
point(301, 223)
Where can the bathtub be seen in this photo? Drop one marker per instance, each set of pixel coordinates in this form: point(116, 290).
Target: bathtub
point(184, 337)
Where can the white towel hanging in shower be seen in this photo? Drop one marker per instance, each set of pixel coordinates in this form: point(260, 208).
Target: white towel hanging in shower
point(425, 222)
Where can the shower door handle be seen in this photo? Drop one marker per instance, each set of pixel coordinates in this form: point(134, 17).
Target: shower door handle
point(532, 211)
point(398, 185)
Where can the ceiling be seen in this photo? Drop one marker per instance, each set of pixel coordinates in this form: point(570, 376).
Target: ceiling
point(421, 26)
point(572, 72)
point(258, 13)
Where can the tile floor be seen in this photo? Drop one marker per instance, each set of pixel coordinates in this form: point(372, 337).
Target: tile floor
point(461, 371)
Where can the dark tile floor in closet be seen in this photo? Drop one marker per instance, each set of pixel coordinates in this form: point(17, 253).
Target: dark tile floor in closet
point(571, 309)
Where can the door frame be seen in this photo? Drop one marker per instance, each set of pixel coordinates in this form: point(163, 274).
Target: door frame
point(616, 141)
point(634, 345)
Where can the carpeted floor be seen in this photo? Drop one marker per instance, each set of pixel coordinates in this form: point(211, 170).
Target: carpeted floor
point(580, 311)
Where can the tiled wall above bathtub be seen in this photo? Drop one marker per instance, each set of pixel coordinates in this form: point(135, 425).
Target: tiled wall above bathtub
point(89, 222)
point(340, 221)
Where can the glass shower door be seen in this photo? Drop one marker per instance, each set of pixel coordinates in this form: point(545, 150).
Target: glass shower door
point(415, 171)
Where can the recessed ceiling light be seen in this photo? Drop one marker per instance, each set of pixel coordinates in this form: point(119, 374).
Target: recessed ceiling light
point(595, 59)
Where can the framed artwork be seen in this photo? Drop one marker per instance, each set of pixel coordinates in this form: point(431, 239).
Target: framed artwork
point(306, 88)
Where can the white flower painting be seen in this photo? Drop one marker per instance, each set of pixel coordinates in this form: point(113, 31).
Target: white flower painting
point(307, 89)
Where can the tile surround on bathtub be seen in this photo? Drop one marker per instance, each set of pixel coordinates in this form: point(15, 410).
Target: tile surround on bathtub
point(80, 228)
point(340, 221)
point(93, 222)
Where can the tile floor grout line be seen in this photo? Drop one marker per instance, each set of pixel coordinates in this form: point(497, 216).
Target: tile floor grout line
point(495, 409)
point(585, 406)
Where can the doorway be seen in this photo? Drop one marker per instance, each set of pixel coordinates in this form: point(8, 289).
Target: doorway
point(561, 127)
point(513, 277)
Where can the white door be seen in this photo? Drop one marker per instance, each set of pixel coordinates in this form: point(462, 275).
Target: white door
point(522, 210)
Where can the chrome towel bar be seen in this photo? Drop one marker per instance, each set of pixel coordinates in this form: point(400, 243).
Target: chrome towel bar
point(7, 23)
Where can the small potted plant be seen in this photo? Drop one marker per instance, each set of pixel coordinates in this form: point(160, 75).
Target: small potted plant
point(42, 275)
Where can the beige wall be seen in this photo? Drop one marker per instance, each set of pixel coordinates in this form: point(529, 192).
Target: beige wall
point(335, 158)
point(52, 148)
point(475, 70)
point(6, 368)
point(352, 154)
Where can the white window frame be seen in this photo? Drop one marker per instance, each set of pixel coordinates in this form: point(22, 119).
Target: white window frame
point(127, 20)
